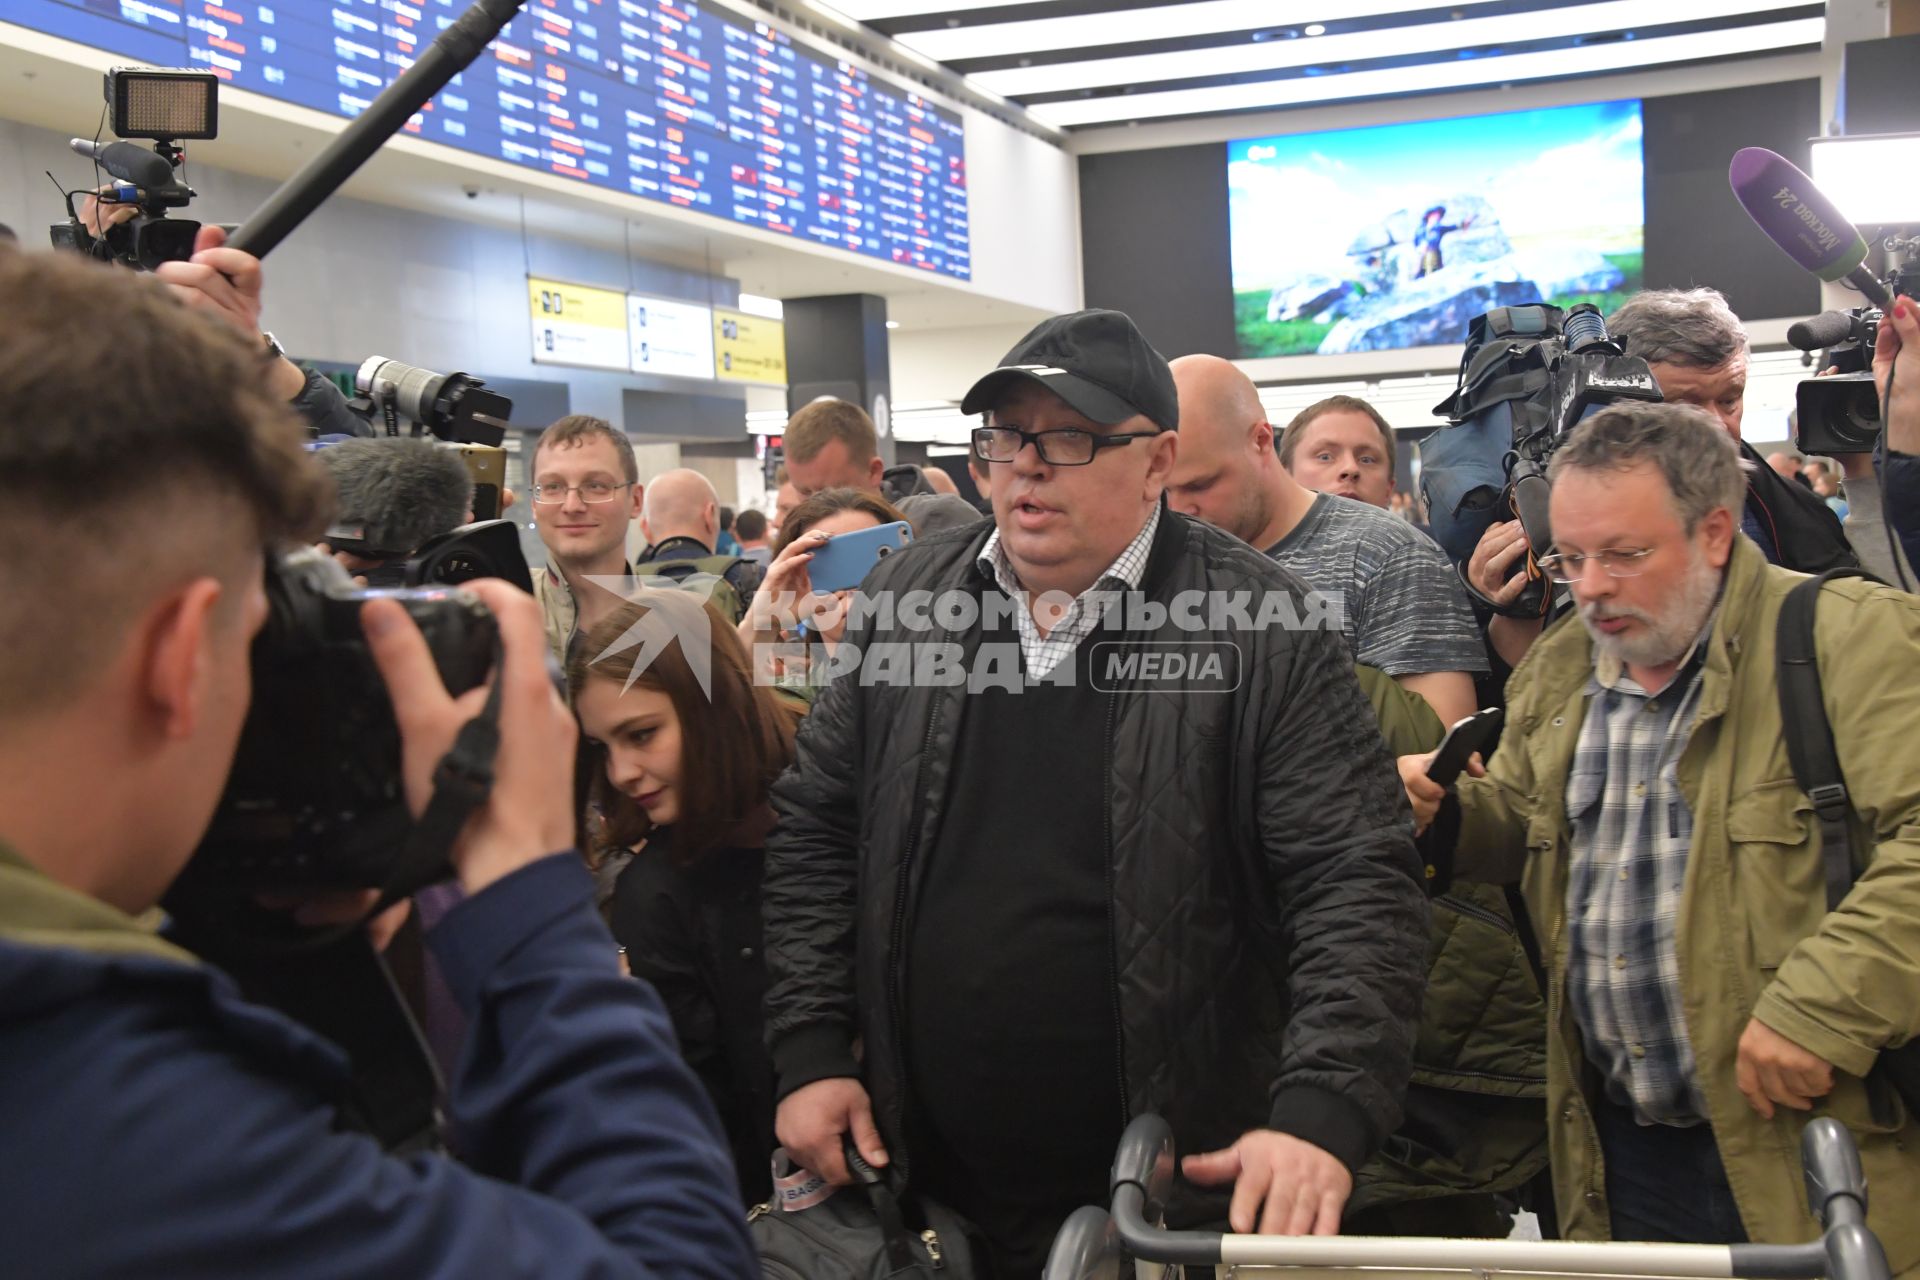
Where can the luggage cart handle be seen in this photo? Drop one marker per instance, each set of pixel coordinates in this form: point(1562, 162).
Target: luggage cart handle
point(1143, 1170)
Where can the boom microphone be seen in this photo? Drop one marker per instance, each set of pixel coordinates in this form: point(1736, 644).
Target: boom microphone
point(452, 52)
point(1787, 206)
point(395, 494)
point(127, 162)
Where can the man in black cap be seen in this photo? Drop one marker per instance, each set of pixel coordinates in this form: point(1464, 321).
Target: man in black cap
point(1162, 867)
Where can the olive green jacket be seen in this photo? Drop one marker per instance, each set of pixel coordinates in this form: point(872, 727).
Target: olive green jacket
point(1475, 1110)
point(1755, 938)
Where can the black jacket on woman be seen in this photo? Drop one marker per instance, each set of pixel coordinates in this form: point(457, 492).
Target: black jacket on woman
point(694, 932)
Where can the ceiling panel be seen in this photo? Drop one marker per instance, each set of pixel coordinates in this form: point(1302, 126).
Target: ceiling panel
point(1086, 63)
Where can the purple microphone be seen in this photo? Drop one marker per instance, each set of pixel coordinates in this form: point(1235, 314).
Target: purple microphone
point(1787, 206)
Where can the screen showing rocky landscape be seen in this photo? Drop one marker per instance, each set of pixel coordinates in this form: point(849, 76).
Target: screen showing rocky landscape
point(1398, 236)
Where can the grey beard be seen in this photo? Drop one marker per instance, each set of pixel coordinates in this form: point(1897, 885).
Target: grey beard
point(1666, 638)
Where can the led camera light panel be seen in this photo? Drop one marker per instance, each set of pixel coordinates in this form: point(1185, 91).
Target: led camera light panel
point(1398, 236)
point(668, 100)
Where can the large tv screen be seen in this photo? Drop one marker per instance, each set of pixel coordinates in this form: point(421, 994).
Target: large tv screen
point(1398, 236)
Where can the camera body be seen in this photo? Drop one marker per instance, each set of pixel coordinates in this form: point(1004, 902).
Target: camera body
point(1529, 376)
point(1586, 372)
point(1840, 413)
point(316, 799)
point(142, 242)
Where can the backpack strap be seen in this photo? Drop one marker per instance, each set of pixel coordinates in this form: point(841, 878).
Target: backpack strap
point(715, 566)
point(1808, 733)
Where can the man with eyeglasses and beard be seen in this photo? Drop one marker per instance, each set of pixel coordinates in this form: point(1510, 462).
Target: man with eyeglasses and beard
point(1043, 905)
point(1643, 797)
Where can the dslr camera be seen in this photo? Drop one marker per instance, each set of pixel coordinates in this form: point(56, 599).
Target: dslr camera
point(164, 107)
point(1840, 413)
point(315, 800)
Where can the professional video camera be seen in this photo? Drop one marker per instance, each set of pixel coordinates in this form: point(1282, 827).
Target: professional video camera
point(1529, 376)
point(456, 408)
point(1840, 413)
point(164, 106)
point(315, 800)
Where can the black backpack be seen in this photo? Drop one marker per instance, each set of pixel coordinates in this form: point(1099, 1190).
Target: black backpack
point(1816, 767)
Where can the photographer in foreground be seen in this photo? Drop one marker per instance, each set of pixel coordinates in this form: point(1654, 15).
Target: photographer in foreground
point(136, 1076)
point(1644, 798)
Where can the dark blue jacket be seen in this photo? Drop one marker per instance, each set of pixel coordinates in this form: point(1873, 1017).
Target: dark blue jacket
point(154, 1124)
point(1900, 498)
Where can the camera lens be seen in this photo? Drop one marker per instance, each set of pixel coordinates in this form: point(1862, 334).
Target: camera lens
point(414, 390)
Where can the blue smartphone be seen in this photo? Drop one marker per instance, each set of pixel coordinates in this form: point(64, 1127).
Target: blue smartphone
point(846, 558)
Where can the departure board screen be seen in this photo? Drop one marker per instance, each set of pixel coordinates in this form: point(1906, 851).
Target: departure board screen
point(668, 100)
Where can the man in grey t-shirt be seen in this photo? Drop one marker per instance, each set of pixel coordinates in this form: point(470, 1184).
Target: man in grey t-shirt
point(1400, 602)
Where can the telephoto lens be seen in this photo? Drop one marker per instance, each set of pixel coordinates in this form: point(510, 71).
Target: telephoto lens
point(453, 406)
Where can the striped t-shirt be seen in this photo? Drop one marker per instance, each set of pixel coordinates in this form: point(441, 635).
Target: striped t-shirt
point(1392, 588)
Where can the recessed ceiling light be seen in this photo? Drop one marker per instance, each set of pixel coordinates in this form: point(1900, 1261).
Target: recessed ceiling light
point(1316, 29)
point(1269, 51)
point(1429, 77)
point(893, 324)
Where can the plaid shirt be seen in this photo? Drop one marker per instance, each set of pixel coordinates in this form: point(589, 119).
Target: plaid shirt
point(1631, 833)
point(1042, 653)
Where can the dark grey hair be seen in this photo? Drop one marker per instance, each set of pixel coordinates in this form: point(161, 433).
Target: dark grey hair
point(1693, 451)
point(1691, 327)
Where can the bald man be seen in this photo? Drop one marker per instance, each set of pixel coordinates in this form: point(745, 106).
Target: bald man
point(1397, 597)
point(680, 519)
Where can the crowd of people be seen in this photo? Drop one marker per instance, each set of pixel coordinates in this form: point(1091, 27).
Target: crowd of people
point(1113, 800)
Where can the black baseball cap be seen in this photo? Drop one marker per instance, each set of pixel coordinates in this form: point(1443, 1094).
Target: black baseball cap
point(1096, 361)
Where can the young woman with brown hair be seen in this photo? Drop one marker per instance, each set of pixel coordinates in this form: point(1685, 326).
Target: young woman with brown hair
point(678, 749)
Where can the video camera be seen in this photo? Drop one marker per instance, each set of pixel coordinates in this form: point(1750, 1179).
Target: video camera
point(1529, 376)
point(1840, 413)
point(164, 106)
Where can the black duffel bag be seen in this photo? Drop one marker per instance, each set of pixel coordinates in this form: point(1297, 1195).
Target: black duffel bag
point(873, 1230)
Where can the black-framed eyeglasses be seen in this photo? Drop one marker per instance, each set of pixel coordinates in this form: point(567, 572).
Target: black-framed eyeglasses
point(1060, 447)
point(1570, 569)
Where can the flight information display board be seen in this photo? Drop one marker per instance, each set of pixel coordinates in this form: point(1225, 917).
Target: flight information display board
point(668, 100)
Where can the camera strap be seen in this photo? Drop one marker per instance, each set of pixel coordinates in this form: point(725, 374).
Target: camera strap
point(461, 783)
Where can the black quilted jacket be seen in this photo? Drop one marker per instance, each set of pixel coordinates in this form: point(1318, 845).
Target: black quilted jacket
point(1269, 924)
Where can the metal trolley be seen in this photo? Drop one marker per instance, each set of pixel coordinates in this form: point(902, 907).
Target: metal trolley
point(1107, 1244)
